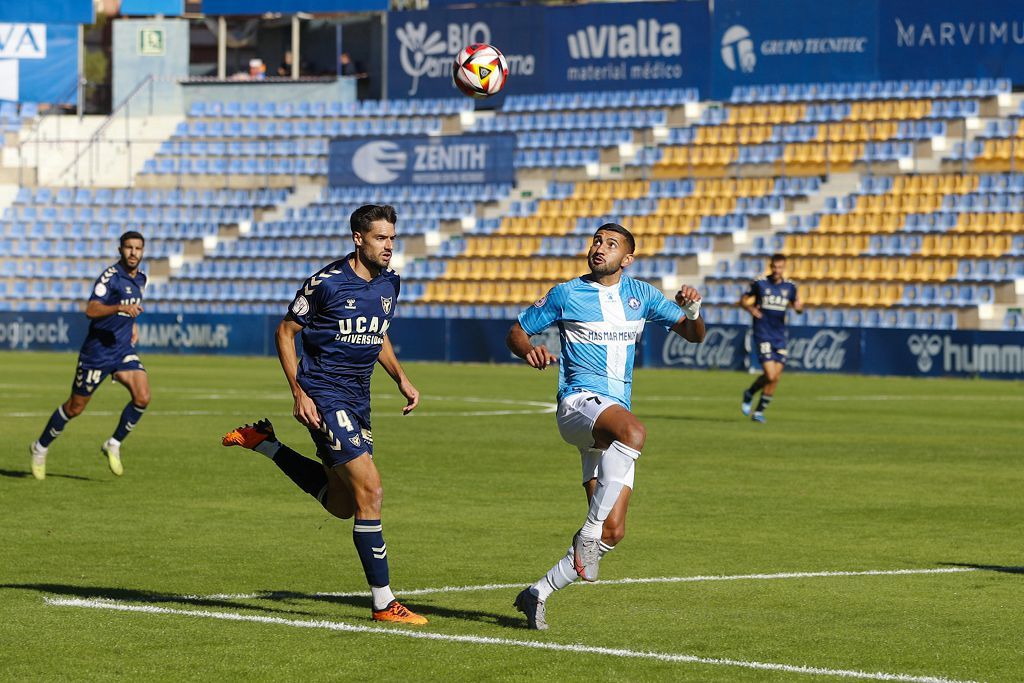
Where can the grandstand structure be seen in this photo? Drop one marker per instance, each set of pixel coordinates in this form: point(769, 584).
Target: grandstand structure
point(899, 203)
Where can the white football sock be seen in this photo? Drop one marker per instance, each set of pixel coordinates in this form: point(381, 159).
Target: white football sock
point(562, 574)
point(616, 463)
point(382, 597)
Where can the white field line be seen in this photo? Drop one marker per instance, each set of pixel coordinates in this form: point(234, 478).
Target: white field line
point(614, 582)
point(524, 408)
point(507, 642)
point(640, 398)
point(249, 413)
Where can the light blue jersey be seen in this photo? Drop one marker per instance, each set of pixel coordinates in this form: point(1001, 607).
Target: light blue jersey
point(599, 327)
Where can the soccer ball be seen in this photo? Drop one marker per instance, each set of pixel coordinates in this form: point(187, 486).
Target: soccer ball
point(480, 70)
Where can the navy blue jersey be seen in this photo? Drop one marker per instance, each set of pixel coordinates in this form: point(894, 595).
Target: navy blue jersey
point(110, 338)
point(773, 298)
point(344, 319)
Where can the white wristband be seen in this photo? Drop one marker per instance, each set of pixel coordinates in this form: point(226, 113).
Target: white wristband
point(692, 310)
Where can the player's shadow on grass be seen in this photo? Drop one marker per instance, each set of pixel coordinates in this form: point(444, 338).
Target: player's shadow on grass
point(503, 620)
point(142, 596)
point(20, 474)
point(987, 567)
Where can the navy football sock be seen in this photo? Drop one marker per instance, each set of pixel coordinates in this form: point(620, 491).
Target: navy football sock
point(763, 403)
point(54, 427)
point(368, 536)
point(307, 474)
point(130, 417)
point(757, 386)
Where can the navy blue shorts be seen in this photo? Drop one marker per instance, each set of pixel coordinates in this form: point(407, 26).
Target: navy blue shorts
point(89, 373)
point(770, 350)
point(342, 436)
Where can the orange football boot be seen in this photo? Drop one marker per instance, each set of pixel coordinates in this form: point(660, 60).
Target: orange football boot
point(397, 612)
point(249, 436)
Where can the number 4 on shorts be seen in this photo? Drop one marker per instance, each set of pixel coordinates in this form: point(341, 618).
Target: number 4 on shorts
point(343, 421)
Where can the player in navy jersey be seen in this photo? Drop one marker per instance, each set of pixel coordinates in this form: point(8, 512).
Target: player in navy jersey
point(343, 313)
point(767, 301)
point(599, 317)
point(109, 349)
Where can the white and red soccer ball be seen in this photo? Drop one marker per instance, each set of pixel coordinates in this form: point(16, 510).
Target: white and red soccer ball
point(480, 70)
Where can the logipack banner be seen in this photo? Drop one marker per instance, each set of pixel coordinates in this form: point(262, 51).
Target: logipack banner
point(951, 38)
point(158, 332)
point(47, 11)
point(252, 7)
point(555, 49)
point(797, 41)
point(422, 160)
point(39, 63)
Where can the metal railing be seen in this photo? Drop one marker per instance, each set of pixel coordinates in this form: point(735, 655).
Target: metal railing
point(90, 146)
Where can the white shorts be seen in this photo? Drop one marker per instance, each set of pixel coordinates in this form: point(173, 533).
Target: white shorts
point(576, 416)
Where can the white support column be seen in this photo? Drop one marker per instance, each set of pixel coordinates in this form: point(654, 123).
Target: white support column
point(222, 48)
point(296, 47)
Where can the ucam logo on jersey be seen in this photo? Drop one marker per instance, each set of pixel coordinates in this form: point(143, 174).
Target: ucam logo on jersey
point(422, 160)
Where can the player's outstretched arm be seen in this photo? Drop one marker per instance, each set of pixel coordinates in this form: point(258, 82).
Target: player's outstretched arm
point(518, 342)
point(305, 410)
point(691, 326)
point(389, 361)
point(798, 305)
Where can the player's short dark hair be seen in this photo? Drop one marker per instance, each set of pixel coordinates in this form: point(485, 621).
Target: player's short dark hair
point(132, 235)
point(615, 227)
point(776, 258)
point(368, 213)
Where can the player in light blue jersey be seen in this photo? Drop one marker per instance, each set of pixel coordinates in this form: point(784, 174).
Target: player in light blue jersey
point(599, 317)
point(767, 300)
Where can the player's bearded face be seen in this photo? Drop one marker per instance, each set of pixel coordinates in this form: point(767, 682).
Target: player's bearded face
point(608, 253)
point(778, 269)
point(131, 252)
point(378, 244)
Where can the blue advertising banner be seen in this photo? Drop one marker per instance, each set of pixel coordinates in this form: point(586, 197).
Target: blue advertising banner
point(422, 160)
point(149, 8)
point(951, 39)
point(915, 353)
point(963, 353)
point(798, 41)
point(229, 7)
point(39, 63)
point(47, 11)
point(627, 46)
point(555, 49)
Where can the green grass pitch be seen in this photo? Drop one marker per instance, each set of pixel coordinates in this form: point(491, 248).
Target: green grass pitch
point(849, 474)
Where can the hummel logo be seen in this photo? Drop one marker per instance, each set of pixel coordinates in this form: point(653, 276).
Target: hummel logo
point(350, 304)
